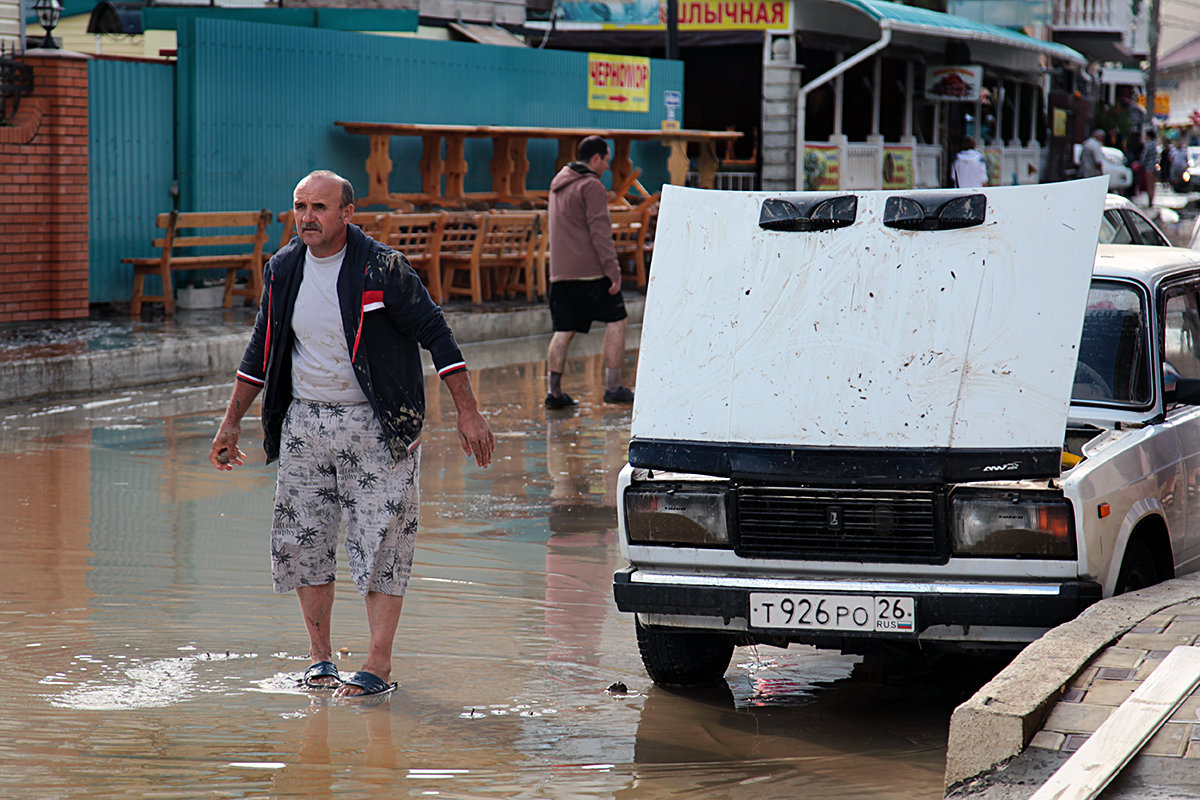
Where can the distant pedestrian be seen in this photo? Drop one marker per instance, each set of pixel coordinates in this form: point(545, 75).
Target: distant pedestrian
point(335, 346)
point(1149, 162)
point(585, 275)
point(1091, 155)
point(970, 168)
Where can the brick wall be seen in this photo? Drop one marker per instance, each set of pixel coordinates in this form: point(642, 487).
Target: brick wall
point(44, 195)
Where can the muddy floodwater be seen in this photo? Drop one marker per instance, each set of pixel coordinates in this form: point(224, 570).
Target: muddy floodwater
point(144, 654)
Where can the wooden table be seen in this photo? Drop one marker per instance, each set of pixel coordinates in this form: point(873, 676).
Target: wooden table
point(510, 164)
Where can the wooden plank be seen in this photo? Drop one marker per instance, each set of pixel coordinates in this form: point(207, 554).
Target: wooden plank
point(217, 219)
point(639, 134)
point(1126, 731)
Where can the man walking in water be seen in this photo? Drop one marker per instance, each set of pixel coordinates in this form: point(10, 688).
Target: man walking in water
point(585, 275)
point(335, 347)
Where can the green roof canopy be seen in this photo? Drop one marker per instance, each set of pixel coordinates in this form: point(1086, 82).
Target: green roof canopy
point(928, 30)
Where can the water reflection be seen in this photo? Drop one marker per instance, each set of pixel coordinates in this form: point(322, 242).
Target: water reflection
point(145, 655)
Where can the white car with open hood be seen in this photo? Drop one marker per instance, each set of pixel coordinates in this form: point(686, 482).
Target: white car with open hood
point(926, 419)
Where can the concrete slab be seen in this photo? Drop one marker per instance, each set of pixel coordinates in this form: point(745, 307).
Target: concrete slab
point(998, 722)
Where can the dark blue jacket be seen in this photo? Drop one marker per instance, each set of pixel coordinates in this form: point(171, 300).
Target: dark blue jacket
point(386, 313)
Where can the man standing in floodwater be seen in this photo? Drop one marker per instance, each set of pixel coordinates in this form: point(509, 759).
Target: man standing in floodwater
point(585, 275)
point(335, 345)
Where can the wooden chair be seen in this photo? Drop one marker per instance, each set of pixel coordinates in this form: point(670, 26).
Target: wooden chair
point(541, 255)
point(617, 195)
point(419, 237)
point(373, 223)
point(648, 241)
point(500, 260)
point(629, 236)
point(520, 275)
point(541, 252)
point(201, 240)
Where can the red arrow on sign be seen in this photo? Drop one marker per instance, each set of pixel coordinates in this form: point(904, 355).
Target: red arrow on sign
point(618, 98)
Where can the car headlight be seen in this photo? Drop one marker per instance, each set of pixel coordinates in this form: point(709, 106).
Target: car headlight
point(1013, 524)
point(684, 515)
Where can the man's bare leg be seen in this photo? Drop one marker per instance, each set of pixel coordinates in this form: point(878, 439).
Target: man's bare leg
point(383, 617)
point(316, 604)
point(556, 359)
point(614, 354)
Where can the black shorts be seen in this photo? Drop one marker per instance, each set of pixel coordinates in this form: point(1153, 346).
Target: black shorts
point(575, 305)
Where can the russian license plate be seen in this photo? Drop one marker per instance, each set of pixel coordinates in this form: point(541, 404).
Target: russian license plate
point(833, 612)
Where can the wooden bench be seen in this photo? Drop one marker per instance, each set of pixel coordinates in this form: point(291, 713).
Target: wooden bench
point(500, 259)
point(197, 240)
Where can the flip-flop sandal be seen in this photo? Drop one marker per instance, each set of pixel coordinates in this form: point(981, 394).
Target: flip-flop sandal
point(322, 669)
point(369, 682)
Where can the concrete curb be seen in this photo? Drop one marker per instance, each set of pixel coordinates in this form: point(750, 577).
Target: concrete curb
point(105, 370)
point(999, 720)
point(183, 357)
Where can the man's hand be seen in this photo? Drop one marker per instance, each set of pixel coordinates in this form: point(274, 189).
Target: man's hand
point(615, 288)
point(475, 436)
point(224, 453)
point(474, 433)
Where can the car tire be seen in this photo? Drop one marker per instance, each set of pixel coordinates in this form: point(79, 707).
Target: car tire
point(683, 658)
point(1138, 569)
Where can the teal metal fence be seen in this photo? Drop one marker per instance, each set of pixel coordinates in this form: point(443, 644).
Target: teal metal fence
point(131, 167)
point(255, 105)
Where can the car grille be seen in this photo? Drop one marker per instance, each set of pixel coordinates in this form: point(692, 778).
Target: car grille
point(838, 525)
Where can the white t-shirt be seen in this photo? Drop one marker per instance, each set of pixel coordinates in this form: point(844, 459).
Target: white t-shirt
point(321, 369)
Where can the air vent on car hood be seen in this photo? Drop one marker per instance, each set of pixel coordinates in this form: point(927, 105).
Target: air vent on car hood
point(934, 212)
point(816, 214)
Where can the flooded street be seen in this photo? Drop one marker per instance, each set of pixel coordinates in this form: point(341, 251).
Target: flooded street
point(145, 655)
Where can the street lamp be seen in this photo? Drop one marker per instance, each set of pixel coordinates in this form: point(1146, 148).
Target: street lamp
point(48, 14)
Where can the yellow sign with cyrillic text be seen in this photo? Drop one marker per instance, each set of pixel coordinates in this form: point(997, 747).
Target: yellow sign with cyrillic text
point(693, 15)
point(618, 83)
point(738, 15)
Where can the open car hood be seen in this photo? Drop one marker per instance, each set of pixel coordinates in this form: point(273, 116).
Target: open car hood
point(883, 336)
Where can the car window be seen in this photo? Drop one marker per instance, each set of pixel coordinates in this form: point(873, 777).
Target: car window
point(1113, 229)
point(1113, 365)
point(1181, 337)
point(1146, 230)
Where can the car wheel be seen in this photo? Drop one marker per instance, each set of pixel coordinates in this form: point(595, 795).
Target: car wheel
point(683, 658)
point(1138, 569)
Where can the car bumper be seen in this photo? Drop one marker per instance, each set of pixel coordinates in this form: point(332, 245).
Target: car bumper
point(938, 604)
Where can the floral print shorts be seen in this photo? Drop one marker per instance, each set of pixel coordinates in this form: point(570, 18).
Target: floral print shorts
point(335, 467)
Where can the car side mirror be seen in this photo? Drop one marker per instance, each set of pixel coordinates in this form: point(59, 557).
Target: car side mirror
point(1186, 392)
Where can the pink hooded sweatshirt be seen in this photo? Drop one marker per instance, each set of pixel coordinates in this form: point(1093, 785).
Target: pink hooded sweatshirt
point(581, 239)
